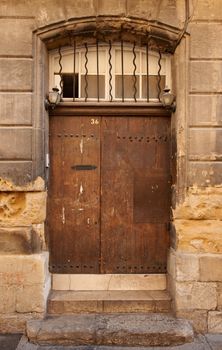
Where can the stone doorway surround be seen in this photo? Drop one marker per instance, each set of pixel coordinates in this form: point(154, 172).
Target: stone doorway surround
point(194, 275)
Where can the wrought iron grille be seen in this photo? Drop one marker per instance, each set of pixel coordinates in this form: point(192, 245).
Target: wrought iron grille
point(140, 84)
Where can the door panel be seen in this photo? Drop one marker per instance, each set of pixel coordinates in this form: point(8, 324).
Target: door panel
point(109, 194)
point(135, 185)
point(74, 195)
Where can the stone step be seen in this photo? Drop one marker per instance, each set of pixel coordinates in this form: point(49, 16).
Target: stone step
point(68, 302)
point(110, 329)
point(109, 282)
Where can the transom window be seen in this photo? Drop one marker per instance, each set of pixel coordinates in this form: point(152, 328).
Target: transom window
point(108, 72)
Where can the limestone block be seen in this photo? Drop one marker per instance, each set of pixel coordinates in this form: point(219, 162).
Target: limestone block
point(32, 298)
point(15, 143)
point(171, 263)
point(187, 267)
point(109, 282)
point(17, 38)
point(204, 173)
point(39, 140)
point(16, 323)
point(219, 296)
point(143, 8)
point(200, 204)
point(114, 7)
point(44, 11)
point(138, 330)
point(16, 8)
point(23, 269)
point(171, 288)
point(205, 110)
point(211, 268)
point(215, 322)
point(205, 144)
point(208, 10)
point(167, 11)
point(205, 76)
point(205, 41)
point(16, 176)
point(8, 299)
point(172, 12)
point(197, 317)
point(15, 109)
point(14, 173)
point(48, 11)
point(22, 208)
point(61, 282)
point(39, 230)
point(79, 8)
point(195, 296)
point(19, 240)
point(16, 74)
point(200, 236)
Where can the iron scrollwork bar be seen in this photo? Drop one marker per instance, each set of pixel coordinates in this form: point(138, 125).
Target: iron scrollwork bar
point(122, 68)
point(147, 72)
point(86, 72)
point(110, 72)
point(159, 75)
point(134, 72)
point(74, 70)
point(60, 71)
point(97, 70)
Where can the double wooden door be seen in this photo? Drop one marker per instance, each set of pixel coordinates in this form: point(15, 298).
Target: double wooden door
point(109, 194)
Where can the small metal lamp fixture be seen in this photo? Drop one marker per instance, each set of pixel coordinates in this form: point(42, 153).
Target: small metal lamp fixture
point(53, 99)
point(168, 99)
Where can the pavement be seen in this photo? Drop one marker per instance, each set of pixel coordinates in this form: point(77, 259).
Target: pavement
point(9, 341)
point(207, 342)
point(18, 342)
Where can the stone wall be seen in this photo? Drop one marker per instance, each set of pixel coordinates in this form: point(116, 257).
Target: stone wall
point(24, 276)
point(195, 259)
point(25, 280)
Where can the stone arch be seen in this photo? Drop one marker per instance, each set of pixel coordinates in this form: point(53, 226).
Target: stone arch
point(161, 37)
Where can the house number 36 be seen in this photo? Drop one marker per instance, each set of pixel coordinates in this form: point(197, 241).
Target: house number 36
point(94, 121)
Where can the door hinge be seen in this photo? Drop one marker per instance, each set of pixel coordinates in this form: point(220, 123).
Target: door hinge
point(47, 162)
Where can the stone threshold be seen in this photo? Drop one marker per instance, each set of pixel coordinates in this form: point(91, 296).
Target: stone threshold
point(68, 302)
point(207, 342)
point(92, 282)
point(110, 329)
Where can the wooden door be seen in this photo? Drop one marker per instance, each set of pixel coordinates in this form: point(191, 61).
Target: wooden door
point(109, 194)
point(74, 196)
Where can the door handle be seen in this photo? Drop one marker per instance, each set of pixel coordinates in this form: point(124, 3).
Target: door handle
point(83, 167)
